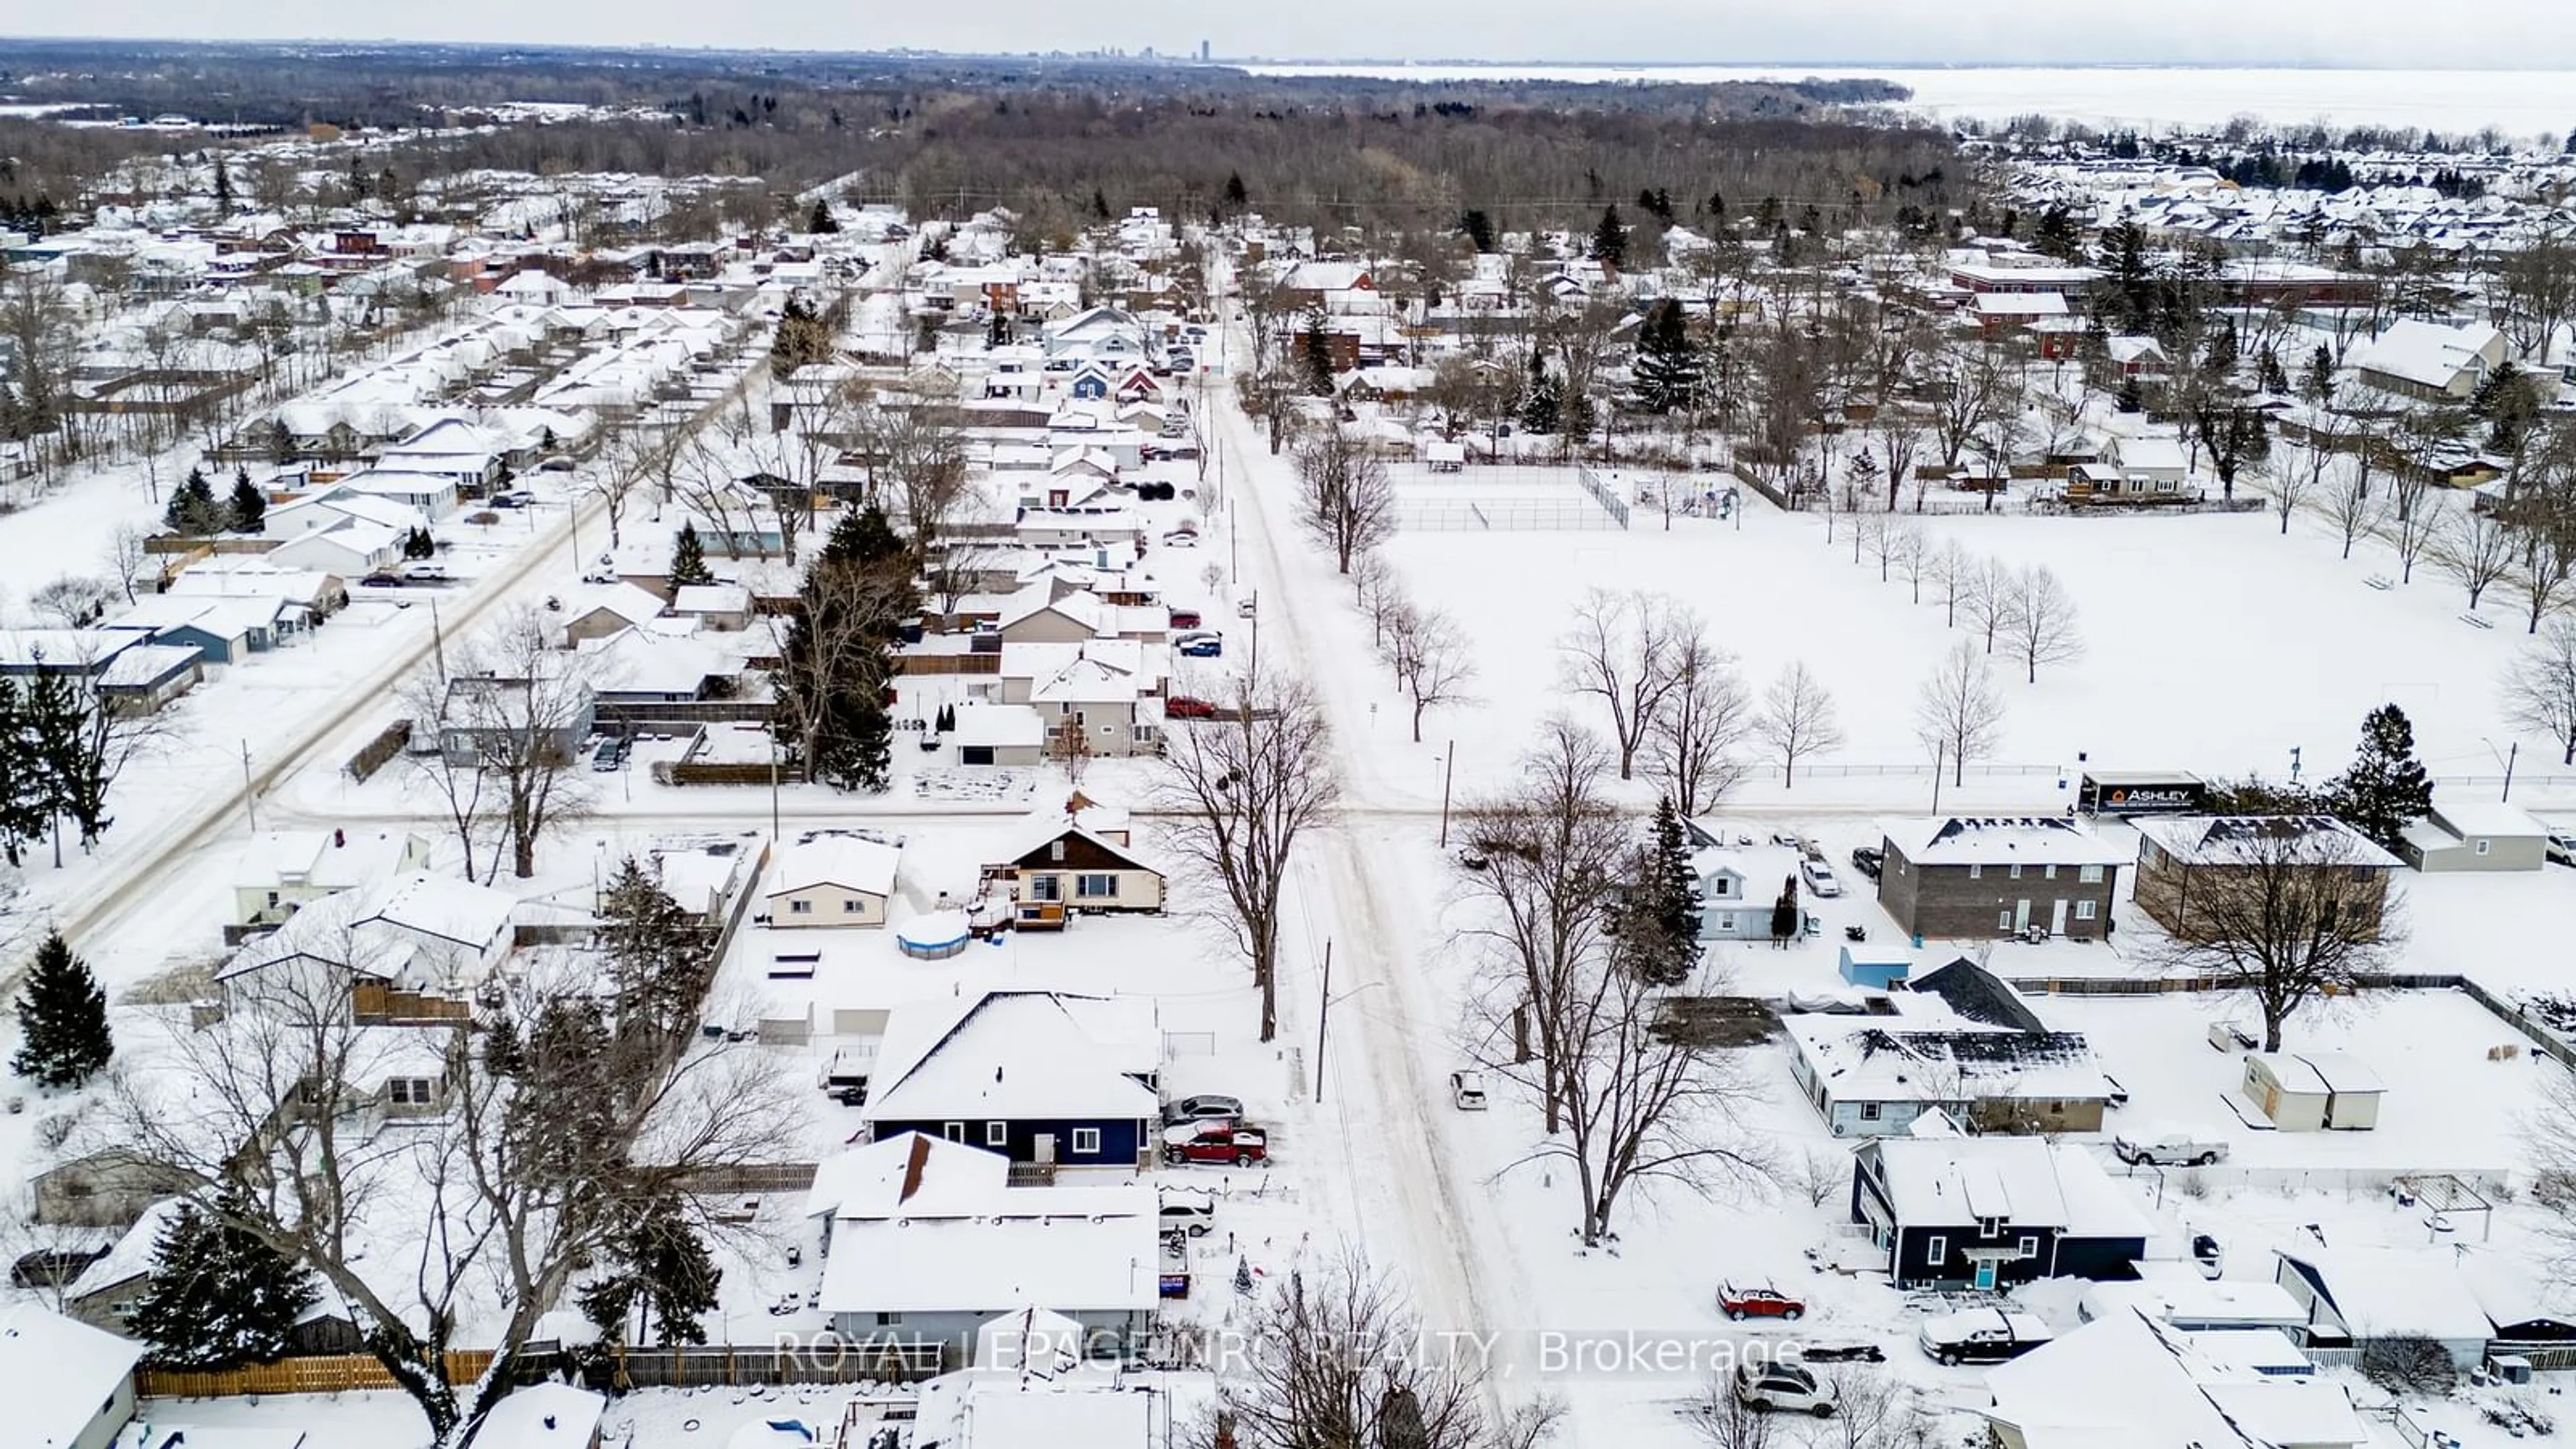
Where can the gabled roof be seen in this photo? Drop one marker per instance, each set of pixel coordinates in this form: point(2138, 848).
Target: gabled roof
point(2027, 1181)
point(55, 1373)
point(2233, 839)
point(848, 861)
point(1032, 847)
point(2379, 1292)
point(1978, 995)
point(2032, 840)
point(1000, 1056)
point(2126, 1379)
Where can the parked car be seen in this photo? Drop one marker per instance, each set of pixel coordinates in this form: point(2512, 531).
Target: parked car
point(1741, 1301)
point(1183, 706)
point(2166, 1147)
point(1820, 878)
point(422, 572)
point(1202, 1107)
point(1246, 608)
point(1206, 646)
point(383, 579)
point(612, 754)
point(2560, 847)
point(1191, 1213)
point(1181, 538)
point(1467, 1091)
point(514, 498)
point(1783, 1386)
point(1981, 1335)
point(1868, 861)
point(1789, 839)
point(1185, 618)
point(2229, 1036)
point(1215, 1140)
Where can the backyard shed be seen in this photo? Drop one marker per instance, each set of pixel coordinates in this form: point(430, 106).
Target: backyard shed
point(2313, 1091)
point(1875, 967)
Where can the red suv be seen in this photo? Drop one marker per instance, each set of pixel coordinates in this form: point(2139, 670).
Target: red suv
point(1185, 618)
point(1740, 1301)
point(1215, 1139)
point(1182, 706)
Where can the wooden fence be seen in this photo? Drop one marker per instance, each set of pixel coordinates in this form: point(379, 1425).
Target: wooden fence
point(828, 1361)
point(375, 1004)
point(373, 755)
point(336, 1374)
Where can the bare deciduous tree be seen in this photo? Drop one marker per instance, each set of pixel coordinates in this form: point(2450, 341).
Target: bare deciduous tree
point(1986, 593)
point(2039, 620)
point(1692, 747)
point(1346, 500)
point(1798, 720)
point(2475, 547)
point(1241, 788)
point(507, 716)
point(1623, 648)
point(129, 559)
point(2283, 908)
point(1433, 663)
point(2540, 688)
point(1953, 570)
point(1914, 556)
point(1335, 1358)
point(2414, 521)
point(1958, 713)
point(2352, 505)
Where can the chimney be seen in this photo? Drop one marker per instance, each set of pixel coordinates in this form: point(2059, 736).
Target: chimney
point(550, 1421)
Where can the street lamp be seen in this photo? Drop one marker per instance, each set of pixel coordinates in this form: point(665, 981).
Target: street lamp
point(1324, 1013)
point(2505, 757)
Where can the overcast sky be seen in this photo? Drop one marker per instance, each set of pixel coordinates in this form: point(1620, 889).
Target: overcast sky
point(2465, 33)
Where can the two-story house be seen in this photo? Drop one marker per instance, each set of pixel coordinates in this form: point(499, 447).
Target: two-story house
point(1988, 1212)
point(2187, 865)
point(1973, 877)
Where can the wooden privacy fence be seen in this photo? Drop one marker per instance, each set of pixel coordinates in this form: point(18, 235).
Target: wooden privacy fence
point(335, 1374)
point(721, 1365)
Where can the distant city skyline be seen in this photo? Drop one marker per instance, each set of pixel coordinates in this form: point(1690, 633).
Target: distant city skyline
point(2503, 34)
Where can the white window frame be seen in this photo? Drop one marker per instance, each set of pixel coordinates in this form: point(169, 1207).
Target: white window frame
point(1976, 870)
point(2084, 910)
point(2016, 870)
point(997, 1134)
point(2030, 1245)
point(2483, 846)
point(1990, 1227)
point(852, 906)
point(1936, 1249)
point(953, 1131)
point(800, 907)
point(2088, 875)
point(1082, 884)
point(1086, 1142)
point(2003, 920)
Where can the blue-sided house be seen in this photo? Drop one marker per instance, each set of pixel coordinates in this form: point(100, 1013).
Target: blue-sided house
point(1039, 1076)
point(1989, 1212)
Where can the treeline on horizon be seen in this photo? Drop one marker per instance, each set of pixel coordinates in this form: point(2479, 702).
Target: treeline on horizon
point(1055, 139)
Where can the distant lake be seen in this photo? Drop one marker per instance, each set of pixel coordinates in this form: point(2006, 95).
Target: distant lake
point(2524, 104)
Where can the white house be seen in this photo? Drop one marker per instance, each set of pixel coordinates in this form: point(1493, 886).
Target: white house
point(2353, 1296)
point(2128, 1380)
point(63, 1384)
point(832, 879)
point(2430, 361)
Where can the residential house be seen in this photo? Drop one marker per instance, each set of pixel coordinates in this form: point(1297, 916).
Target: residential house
point(1045, 1078)
point(721, 607)
point(1971, 877)
point(829, 878)
point(126, 673)
point(998, 734)
point(2476, 835)
point(1045, 613)
point(222, 631)
point(1988, 1212)
point(65, 1385)
point(1727, 909)
point(317, 593)
point(410, 935)
point(2356, 1296)
point(1010, 1405)
point(2149, 464)
point(2126, 1379)
point(108, 1188)
point(105, 1294)
point(347, 548)
point(490, 716)
point(1056, 868)
point(603, 611)
point(926, 1240)
point(2431, 361)
point(2181, 854)
point(1873, 1075)
point(284, 870)
point(433, 494)
point(450, 448)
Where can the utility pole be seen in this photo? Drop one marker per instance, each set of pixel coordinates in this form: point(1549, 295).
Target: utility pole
point(2513, 752)
point(437, 642)
point(1323, 1017)
point(1936, 776)
point(1448, 772)
point(250, 796)
point(773, 792)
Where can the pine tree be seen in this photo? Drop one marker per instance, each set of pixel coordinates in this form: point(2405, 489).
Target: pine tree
point(1099, 204)
point(1243, 1284)
point(418, 544)
point(1668, 362)
point(1784, 914)
point(2133, 395)
point(2318, 383)
point(1315, 354)
point(1610, 239)
point(689, 559)
point(1236, 197)
point(658, 1260)
point(62, 1019)
point(219, 1297)
point(1479, 229)
point(947, 718)
point(192, 509)
point(1658, 911)
point(2386, 788)
point(247, 506)
point(656, 954)
point(54, 717)
point(1543, 402)
point(223, 188)
point(23, 792)
point(820, 221)
point(854, 737)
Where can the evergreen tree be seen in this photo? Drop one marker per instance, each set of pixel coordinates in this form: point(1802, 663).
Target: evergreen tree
point(658, 1260)
point(23, 793)
point(1236, 197)
point(2317, 384)
point(1479, 229)
point(1668, 362)
point(1543, 402)
point(2386, 788)
point(192, 509)
point(247, 506)
point(657, 956)
point(2133, 395)
point(1784, 914)
point(947, 718)
point(55, 719)
point(689, 559)
point(219, 1297)
point(62, 1019)
point(505, 1051)
point(820, 222)
point(223, 188)
point(1315, 354)
point(1610, 239)
point(1657, 914)
point(418, 544)
point(853, 736)
point(1099, 204)
point(2269, 376)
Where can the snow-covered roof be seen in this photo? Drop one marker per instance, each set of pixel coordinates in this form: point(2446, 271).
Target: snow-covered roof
point(2190, 1299)
point(543, 1416)
point(1014, 1054)
point(55, 1373)
point(858, 864)
point(1087, 1259)
point(2026, 1181)
point(2319, 1073)
point(1867, 1059)
point(712, 599)
point(2427, 353)
point(132, 1256)
point(2038, 840)
point(2488, 818)
point(2126, 1378)
point(1000, 726)
point(1006, 1408)
point(2379, 1292)
point(2230, 839)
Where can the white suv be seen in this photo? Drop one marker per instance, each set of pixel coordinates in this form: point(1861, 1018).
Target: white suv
point(1777, 1385)
point(1820, 878)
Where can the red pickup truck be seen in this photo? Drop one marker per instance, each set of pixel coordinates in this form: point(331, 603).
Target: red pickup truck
point(1215, 1139)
